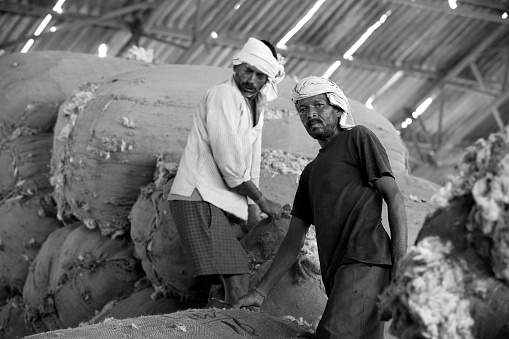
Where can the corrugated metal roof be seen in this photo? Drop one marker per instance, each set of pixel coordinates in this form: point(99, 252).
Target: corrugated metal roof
point(423, 48)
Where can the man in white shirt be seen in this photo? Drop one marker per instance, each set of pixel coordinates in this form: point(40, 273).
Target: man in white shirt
point(218, 176)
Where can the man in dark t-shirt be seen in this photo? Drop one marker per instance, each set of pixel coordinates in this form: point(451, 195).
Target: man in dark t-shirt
point(341, 192)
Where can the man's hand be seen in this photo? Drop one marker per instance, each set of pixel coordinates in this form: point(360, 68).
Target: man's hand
point(253, 216)
point(250, 299)
point(271, 208)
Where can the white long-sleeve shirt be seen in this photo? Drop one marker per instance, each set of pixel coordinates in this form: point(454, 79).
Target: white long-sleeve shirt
point(223, 150)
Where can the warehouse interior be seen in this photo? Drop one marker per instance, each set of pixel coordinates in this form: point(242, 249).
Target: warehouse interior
point(97, 103)
point(436, 69)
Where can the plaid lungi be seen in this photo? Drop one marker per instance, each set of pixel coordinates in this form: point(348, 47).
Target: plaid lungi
point(208, 240)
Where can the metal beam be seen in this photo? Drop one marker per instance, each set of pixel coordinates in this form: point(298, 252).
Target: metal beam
point(467, 60)
point(78, 24)
point(477, 119)
point(458, 11)
point(226, 10)
point(67, 16)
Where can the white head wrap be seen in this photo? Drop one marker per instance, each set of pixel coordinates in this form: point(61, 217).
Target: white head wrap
point(314, 85)
point(257, 54)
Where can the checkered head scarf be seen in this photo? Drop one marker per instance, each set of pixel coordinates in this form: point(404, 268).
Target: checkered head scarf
point(257, 54)
point(313, 85)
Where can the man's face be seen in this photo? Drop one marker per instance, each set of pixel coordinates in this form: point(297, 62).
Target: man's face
point(318, 117)
point(249, 79)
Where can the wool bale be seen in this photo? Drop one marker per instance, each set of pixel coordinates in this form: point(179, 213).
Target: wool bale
point(112, 149)
point(88, 272)
point(142, 303)
point(201, 323)
point(157, 244)
point(38, 303)
point(298, 295)
point(12, 320)
point(33, 85)
point(25, 223)
point(263, 240)
point(24, 164)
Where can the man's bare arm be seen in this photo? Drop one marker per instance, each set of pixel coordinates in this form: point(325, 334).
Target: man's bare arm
point(390, 192)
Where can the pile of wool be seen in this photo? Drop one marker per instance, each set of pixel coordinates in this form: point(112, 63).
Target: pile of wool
point(453, 283)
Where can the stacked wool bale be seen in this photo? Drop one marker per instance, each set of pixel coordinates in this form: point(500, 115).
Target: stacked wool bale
point(32, 87)
point(299, 295)
point(108, 136)
point(76, 273)
point(454, 282)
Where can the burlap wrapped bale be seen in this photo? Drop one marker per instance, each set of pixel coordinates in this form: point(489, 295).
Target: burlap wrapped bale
point(157, 244)
point(12, 320)
point(37, 295)
point(25, 223)
point(24, 164)
point(195, 324)
point(141, 303)
point(90, 270)
point(33, 85)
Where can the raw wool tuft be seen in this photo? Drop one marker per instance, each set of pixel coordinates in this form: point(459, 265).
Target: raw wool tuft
point(483, 173)
point(26, 222)
point(472, 217)
point(431, 287)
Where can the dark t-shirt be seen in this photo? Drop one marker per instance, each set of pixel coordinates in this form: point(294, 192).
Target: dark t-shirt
point(336, 195)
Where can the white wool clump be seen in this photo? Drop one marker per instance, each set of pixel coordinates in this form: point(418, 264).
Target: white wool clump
point(281, 162)
point(483, 173)
point(437, 292)
point(431, 290)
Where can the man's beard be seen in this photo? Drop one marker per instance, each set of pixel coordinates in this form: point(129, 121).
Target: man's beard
point(324, 134)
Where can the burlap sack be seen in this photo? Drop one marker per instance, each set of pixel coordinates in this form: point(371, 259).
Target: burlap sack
point(142, 303)
point(195, 324)
point(12, 320)
point(25, 223)
point(90, 270)
point(37, 296)
point(24, 165)
point(157, 244)
point(299, 295)
point(33, 85)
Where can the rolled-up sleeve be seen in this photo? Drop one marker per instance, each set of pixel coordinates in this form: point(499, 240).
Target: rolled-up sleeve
point(224, 125)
